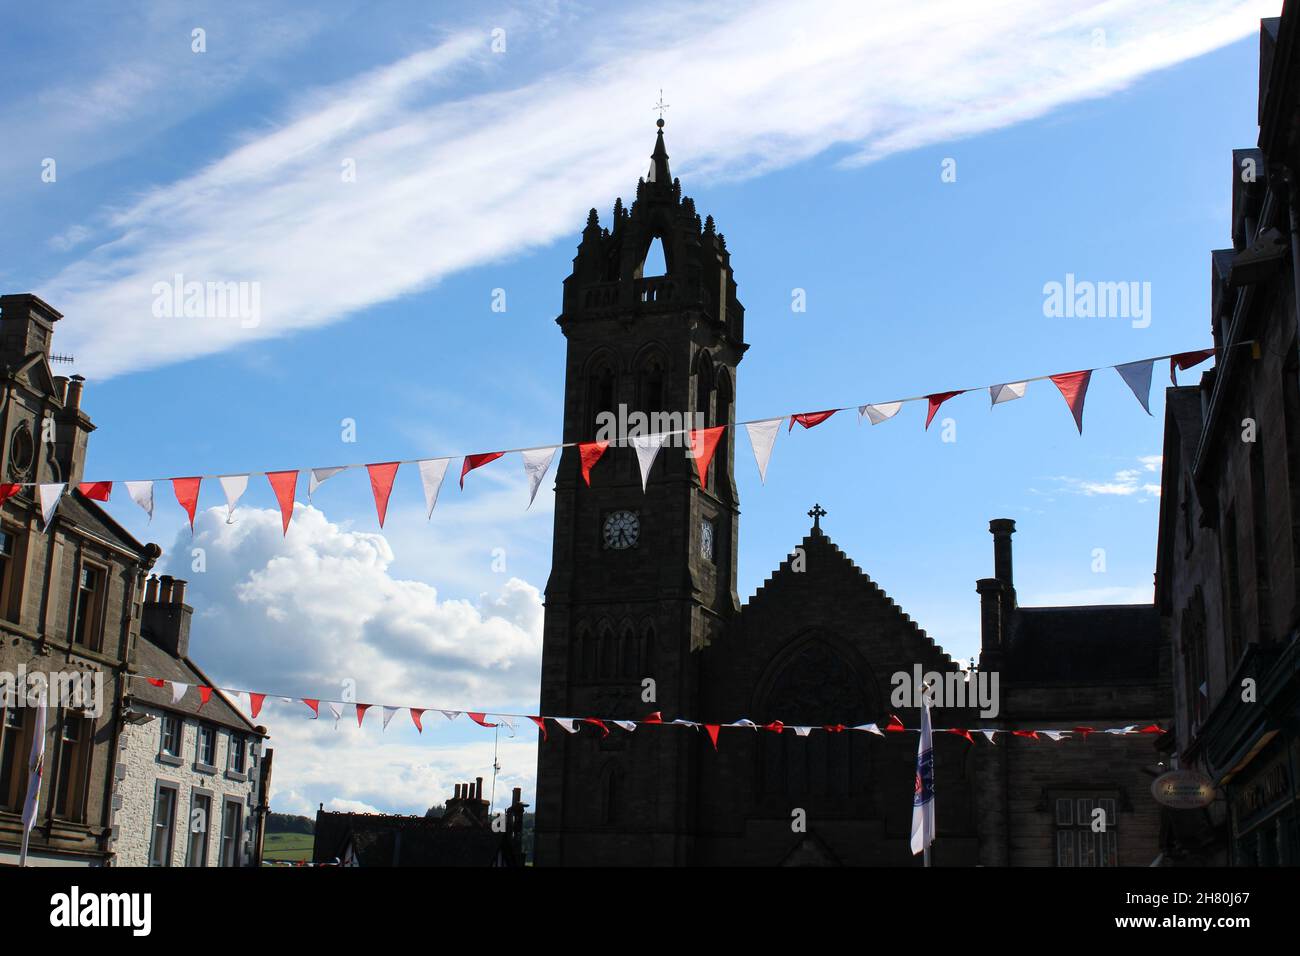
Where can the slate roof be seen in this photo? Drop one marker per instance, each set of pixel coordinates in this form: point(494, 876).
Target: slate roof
point(1091, 644)
point(424, 841)
point(150, 660)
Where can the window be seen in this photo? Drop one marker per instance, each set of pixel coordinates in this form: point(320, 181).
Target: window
point(76, 733)
point(164, 825)
point(171, 735)
point(15, 743)
point(196, 853)
point(238, 753)
point(11, 576)
point(88, 623)
point(1078, 842)
point(207, 746)
point(232, 827)
point(1195, 665)
point(1232, 574)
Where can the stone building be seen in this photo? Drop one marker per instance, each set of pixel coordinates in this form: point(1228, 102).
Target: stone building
point(642, 594)
point(193, 778)
point(1228, 567)
point(69, 601)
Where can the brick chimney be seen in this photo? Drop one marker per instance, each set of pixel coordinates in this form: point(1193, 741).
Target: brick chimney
point(166, 616)
point(26, 326)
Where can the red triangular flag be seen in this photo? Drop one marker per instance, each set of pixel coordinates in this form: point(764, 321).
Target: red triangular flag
point(541, 725)
point(655, 718)
point(834, 728)
point(713, 733)
point(476, 461)
point(1085, 731)
point(961, 733)
point(361, 712)
point(205, 695)
point(895, 725)
point(381, 483)
point(157, 682)
point(1074, 386)
point(416, 714)
point(704, 442)
point(8, 491)
point(313, 704)
point(775, 726)
point(255, 702)
point(96, 490)
point(935, 400)
point(588, 454)
point(478, 719)
point(1031, 734)
point(1185, 360)
point(285, 485)
point(1152, 729)
point(604, 731)
point(809, 419)
point(187, 493)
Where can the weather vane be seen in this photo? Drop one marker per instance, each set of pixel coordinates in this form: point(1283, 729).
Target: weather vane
point(660, 106)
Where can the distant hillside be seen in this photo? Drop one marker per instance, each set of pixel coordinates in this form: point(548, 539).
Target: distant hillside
point(288, 823)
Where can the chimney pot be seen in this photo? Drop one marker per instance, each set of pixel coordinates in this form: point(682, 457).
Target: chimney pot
point(1002, 529)
point(75, 384)
point(178, 591)
point(165, 589)
point(151, 590)
point(478, 788)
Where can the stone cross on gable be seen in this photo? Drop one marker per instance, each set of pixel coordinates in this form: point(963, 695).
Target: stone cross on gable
point(817, 513)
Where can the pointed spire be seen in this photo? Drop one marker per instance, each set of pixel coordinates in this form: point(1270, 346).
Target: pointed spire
point(659, 172)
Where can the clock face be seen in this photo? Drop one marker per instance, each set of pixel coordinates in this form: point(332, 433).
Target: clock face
point(706, 540)
point(622, 530)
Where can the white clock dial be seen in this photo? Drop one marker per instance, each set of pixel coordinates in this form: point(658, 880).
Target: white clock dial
point(622, 530)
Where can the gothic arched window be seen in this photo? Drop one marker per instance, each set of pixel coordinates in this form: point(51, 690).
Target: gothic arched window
point(601, 391)
point(703, 391)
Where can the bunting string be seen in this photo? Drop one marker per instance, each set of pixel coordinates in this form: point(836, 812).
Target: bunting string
point(492, 719)
point(537, 459)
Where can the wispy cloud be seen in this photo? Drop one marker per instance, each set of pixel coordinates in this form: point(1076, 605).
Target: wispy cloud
point(447, 182)
point(1143, 482)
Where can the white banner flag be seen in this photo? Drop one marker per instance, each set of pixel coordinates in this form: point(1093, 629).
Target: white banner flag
point(234, 486)
point(923, 797)
point(568, 723)
point(1007, 393)
point(35, 774)
point(879, 413)
point(647, 448)
point(178, 691)
point(319, 476)
point(49, 496)
point(762, 436)
point(537, 461)
point(1137, 376)
point(141, 493)
point(432, 471)
point(388, 715)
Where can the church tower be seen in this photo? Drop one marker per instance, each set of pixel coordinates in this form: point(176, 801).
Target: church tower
point(641, 581)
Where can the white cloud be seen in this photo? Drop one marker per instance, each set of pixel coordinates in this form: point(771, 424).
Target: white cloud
point(445, 183)
point(1125, 483)
point(1142, 594)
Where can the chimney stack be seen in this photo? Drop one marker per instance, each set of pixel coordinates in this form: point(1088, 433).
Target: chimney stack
point(151, 590)
point(166, 616)
point(991, 593)
point(75, 385)
point(1002, 529)
point(478, 788)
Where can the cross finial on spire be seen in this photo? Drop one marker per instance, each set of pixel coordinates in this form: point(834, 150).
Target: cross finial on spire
point(660, 106)
point(817, 513)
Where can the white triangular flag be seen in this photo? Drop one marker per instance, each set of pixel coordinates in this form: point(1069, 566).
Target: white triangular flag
point(506, 722)
point(568, 723)
point(451, 714)
point(432, 471)
point(647, 447)
point(802, 731)
point(536, 463)
point(234, 486)
point(762, 436)
point(49, 496)
point(744, 722)
point(1007, 393)
point(988, 735)
point(388, 715)
point(336, 710)
point(141, 493)
point(870, 728)
point(628, 725)
point(881, 412)
point(685, 723)
point(1054, 734)
point(1130, 729)
point(178, 691)
point(319, 476)
point(1137, 376)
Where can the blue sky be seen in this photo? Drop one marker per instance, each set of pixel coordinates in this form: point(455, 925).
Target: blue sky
point(816, 141)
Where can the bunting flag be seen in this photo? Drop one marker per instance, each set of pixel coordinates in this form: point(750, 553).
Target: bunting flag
point(802, 731)
point(478, 718)
point(704, 442)
point(361, 712)
point(962, 732)
point(7, 491)
point(870, 728)
point(156, 681)
point(388, 715)
point(234, 486)
point(336, 710)
point(285, 486)
point(1084, 731)
point(988, 735)
point(205, 695)
point(595, 722)
point(935, 400)
point(588, 454)
point(1185, 360)
point(178, 691)
point(319, 476)
point(187, 495)
point(1137, 376)
point(49, 495)
point(1074, 387)
point(94, 490)
point(255, 702)
point(416, 715)
point(432, 471)
point(537, 462)
point(1008, 392)
point(628, 725)
point(1053, 735)
point(314, 704)
point(141, 493)
point(654, 718)
point(381, 485)
point(451, 714)
point(879, 413)
point(811, 419)
point(762, 436)
point(647, 449)
point(568, 723)
point(895, 725)
point(476, 461)
point(713, 733)
point(1031, 734)
point(541, 725)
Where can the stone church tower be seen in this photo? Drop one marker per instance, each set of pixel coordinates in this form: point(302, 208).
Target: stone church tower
point(639, 580)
